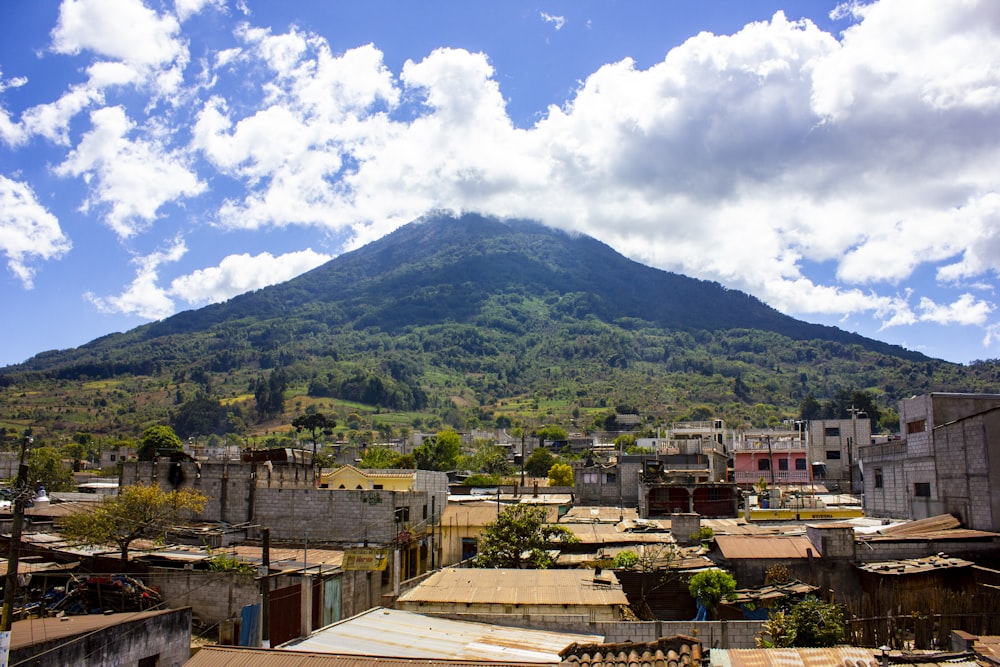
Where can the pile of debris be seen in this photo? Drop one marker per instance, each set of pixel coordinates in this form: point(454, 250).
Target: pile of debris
point(99, 594)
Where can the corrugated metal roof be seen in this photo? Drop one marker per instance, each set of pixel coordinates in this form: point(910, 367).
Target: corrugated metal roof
point(794, 657)
point(839, 656)
point(605, 533)
point(915, 565)
point(585, 514)
point(736, 547)
point(231, 656)
point(404, 634)
point(513, 587)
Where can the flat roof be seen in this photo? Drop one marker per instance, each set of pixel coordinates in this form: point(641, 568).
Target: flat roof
point(513, 587)
point(39, 630)
point(404, 634)
point(915, 565)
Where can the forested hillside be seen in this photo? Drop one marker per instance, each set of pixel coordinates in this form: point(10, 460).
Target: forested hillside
point(464, 322)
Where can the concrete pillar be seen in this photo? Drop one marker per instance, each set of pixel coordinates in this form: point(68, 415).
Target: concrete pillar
point(306, 605)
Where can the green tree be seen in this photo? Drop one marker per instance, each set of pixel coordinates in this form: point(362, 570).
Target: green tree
point(46, 468)
point(816, 623)
point(439, 452)
point(379, 457)
point(626, 560)
point(487, 458)
point(137, 511)
point(711, 587)
point(808, 623)
point(520, 537)
point(156, 440)
point(561, 474)
point(270, 394)
point(540, 462)
point(314, 422)
point(551, 432)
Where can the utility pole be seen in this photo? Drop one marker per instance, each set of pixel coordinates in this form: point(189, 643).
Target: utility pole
point(14, 549)
point(265, 589)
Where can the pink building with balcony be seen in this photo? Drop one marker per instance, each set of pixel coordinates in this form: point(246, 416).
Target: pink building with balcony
point(779, 457)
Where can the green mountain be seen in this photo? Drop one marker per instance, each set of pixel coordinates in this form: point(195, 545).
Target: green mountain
point(466, 318)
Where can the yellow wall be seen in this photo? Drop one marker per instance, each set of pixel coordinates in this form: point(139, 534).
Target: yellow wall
point(352, 478)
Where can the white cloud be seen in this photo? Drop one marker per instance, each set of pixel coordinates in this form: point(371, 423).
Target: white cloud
point(966, 310)
point(740, 158)
point(819, 174)
point(242, 273)
point(143, 296)
point(122, 29)
point(187, 8)
point(133, 179)
point(234, 275)
point(27, 230)
point(557, 21)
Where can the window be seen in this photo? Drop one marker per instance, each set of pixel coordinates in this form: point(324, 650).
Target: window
point(425, 511)
point(377, 487)
point(609, 478)
point(917, 426)
point(800, 464)
point(833, 455)
point(878, 478)
point(590, 478)
point(402, 514)
point(922, 489)
point(763, 464)
point(112, 457)
point(715, 493)
point(782, 464)
point(832, 431)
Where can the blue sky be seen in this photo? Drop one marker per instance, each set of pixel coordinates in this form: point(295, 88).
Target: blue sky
point(838, 161)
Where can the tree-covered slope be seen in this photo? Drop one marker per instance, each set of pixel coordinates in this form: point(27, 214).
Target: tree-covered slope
point(472, 311)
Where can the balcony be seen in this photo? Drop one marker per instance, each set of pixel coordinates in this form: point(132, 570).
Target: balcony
point(783, 445)
point(780, 477)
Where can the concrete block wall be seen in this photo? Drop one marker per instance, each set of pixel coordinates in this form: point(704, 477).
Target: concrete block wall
point(165, 638)
point(832, 541)
point(212, 596)
point(336, 515)
point(873, 551)
point(713, 634)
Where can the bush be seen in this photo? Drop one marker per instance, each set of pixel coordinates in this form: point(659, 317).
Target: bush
point(625, 560)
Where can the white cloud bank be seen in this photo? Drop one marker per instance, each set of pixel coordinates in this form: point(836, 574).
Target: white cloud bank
point(817, 172)
point(27, 230)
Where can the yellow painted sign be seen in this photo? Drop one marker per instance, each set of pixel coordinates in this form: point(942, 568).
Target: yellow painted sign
point(365, 559)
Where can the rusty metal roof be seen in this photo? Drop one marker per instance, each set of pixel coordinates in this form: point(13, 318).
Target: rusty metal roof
point(513, 587)
point(773, 547)
point(404, 634)
point(606, 533)
point(838, 656)
point(231, 656)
